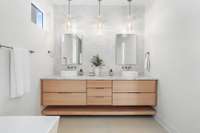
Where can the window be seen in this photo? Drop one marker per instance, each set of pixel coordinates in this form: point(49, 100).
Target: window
point(37, 16)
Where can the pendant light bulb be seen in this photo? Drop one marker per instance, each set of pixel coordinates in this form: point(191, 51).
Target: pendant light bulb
point(99, 25)
point(130, 25)
point(68, 25)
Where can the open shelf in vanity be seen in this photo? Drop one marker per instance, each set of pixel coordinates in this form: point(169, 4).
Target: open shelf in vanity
point(98, 110)
point(98, 96)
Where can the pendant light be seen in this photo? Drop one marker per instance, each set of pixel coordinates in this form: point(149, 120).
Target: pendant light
point(130, 18)
point(68, 20)
point(99, 19)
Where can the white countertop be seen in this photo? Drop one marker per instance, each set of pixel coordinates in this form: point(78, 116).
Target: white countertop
point(28, 124)
point(98, 78)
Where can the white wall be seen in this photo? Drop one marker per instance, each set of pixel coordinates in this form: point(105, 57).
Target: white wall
point(115, 18)
point(173, 38)
point(16, 29)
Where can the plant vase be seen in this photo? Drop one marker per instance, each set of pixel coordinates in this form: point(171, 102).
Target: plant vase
point(98, 71)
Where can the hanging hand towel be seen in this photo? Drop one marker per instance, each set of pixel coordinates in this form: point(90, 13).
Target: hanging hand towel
point(147, 64)
point(19, 72)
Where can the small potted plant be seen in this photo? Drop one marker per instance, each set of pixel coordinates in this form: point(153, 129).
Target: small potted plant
point(97, 62)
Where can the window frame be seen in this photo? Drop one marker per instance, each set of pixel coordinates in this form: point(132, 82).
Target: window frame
point(38, 9)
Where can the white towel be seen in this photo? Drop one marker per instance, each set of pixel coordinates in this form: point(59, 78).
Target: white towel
point(147, 63)
point(19, 72)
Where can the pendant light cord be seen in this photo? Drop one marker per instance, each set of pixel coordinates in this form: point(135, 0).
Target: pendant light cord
point(69, 8)
point(130, 8)
point(99, 7)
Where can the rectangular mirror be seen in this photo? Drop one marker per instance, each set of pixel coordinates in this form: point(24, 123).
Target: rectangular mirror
point(71, 50)
point(126, 46)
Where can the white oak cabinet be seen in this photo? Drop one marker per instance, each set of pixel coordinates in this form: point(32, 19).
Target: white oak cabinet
point(99, 97)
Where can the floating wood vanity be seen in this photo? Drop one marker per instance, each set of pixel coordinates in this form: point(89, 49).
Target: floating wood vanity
point(100, 96)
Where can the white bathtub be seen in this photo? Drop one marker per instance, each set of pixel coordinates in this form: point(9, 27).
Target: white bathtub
point(29, 124)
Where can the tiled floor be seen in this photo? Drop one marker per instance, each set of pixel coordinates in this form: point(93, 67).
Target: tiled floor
point(109, 125)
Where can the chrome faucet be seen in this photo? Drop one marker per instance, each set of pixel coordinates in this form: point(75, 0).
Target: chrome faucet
point(127, 67)
point(71, 67)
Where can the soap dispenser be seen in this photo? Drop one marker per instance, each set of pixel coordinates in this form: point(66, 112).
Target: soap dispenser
point(110, 72)
point(80, 72)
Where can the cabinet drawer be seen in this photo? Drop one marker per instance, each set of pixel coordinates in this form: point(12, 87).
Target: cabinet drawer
point(64, 99)
point(99, 100)
point(135, 99)
point(134, 86)
point(99, 92)
point(63, 86)
point(99, 83)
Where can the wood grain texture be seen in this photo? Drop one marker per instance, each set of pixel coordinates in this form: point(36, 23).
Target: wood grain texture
point(64, 99)
point(99, 100)
point(99, 92)
point(64, 86)
point(98, 97)
point(99, 83)
point(134, 99)
point(98, 110)
point(134, 86)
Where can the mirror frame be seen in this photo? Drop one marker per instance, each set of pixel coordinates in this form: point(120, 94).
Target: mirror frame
point(116, 50)
point(81, 49)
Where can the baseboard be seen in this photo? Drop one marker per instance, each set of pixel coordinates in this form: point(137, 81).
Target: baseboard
point(168, 127)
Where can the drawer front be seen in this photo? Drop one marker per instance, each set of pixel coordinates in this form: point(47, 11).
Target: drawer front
point(99, 83)
point(99, 92)
point(134, 99)
point(99, 100)
point(134, 86)
point(64, 99)
point(63, 86)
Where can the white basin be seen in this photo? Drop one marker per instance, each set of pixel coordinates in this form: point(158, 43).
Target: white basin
point(68, 73)
point(129, 73)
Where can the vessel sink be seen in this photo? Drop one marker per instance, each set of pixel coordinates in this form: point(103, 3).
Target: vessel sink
point(129, 73)
point(68, 73)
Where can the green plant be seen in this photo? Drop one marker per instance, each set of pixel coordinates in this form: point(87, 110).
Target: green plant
point(97, 61)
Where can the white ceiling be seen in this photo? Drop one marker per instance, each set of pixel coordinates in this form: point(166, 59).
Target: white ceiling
point(104, 2)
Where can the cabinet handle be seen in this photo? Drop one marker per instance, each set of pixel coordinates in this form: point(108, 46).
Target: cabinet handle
point(99, 88)
point(64, 92)
point(99, 96)
point(134, 92)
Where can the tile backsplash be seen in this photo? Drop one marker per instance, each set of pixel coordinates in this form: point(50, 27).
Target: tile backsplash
point(84, 19)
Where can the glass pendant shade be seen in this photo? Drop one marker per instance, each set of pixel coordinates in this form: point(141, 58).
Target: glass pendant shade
point(68, 24)
point(68, 19)
point(100, 23)
point(129, 25)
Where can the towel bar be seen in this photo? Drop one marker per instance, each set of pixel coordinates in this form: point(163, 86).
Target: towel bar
point(3, 46)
